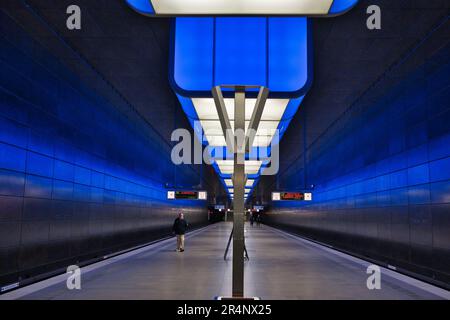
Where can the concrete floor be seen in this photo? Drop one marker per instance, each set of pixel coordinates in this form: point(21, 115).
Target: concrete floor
point(280, 267)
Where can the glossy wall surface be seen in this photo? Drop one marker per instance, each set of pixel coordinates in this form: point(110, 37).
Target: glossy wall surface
point(78, 179)
point(382, 171)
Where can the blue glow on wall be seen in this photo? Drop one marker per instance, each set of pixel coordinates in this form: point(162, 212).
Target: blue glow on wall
point(82, 176)
point(399, 169)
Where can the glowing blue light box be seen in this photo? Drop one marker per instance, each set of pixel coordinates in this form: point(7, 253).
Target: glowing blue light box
point(270, 51)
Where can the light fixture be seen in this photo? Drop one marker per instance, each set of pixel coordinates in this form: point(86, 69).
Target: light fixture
point(241, 7)
point(226, 167)
point(270, 119)
point(228, 182)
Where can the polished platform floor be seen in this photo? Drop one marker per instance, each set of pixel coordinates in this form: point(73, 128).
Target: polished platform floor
point(280, 267)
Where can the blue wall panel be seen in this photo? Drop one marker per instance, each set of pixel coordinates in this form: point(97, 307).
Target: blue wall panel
point(78, 179)
point(383, 172)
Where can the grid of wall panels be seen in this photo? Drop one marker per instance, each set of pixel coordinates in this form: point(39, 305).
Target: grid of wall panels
point(382, 173)
point(77, 179)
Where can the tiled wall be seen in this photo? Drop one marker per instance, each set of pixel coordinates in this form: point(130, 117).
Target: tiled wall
point(382, 172)
point(77, 178)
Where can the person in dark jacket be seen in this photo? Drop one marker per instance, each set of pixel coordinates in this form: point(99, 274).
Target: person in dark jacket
point(179, 228)
point(258, 220)
point(252, 219)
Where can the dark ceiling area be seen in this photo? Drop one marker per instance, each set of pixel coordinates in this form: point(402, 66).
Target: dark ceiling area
point(128, 50)
point(131, 53)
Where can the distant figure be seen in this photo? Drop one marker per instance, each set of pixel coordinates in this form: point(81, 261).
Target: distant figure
point(252, 219)
point(258, 220)
point(179, 228)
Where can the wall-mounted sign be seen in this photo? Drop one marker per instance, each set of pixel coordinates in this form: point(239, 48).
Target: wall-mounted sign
point(170, 195)
point(219, 207)
point(260, 208)
point(202, 195)
point(291, 196)
point(187, 195)
point(276, 196)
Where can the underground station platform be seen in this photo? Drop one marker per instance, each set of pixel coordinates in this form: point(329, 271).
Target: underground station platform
point(225, 158)
point(280, 267)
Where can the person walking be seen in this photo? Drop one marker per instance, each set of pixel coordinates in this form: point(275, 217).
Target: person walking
point(179, 228)
point(258, 220)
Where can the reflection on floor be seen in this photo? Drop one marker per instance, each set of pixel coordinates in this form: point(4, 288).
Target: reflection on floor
point(280, 267)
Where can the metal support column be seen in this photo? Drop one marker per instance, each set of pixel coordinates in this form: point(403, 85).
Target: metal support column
point(239, 145)
point(239, 192)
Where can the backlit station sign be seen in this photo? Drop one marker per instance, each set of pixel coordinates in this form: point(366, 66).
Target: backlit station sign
point(186, 195)
point(291, 196)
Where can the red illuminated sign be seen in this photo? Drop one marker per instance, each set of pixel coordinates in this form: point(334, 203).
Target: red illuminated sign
point(292, 196)
point(186, 195)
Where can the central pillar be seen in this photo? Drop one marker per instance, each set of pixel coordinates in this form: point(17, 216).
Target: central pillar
point(239, 192)
point(243, 142)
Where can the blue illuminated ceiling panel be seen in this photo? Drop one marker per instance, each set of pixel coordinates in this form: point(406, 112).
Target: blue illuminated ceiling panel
point(272, 52)
point(240, 54)
point(289, 65)
point(193, 66)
